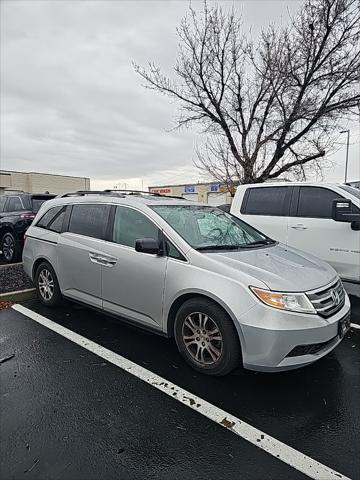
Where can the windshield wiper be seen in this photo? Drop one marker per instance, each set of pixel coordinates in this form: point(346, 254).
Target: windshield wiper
point(266, 241)
point(219, 247)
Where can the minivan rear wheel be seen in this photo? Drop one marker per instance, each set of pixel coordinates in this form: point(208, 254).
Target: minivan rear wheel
point(47, 285)
point(206, 337)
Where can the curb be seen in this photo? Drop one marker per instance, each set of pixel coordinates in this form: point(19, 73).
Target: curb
point(18, 296)
point(10, 264)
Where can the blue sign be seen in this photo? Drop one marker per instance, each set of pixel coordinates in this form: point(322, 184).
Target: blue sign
point(189, 189)
point(214, 187)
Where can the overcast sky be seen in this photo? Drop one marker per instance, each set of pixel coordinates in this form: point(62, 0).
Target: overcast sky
point(72, 104)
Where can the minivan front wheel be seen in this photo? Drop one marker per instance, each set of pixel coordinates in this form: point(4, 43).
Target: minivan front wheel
point(206, 337)
point(47, 285)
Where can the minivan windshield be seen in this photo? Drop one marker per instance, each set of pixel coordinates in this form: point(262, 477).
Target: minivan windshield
point(209, 228)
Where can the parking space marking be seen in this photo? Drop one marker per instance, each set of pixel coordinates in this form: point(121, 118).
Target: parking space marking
point(355, 325)
point(271, 445)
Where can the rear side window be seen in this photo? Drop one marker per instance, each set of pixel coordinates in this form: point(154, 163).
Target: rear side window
point(316, 202)
point(89, 220)
point(2, 202)
point(131, 225)
point(266, 201)
point(53, 219)
point(13, 204)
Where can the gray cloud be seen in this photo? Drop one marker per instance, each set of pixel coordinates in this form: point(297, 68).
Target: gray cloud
point(71, 101)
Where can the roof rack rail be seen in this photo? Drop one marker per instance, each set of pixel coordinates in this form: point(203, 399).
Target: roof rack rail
point(81, 193)
point(119, 193)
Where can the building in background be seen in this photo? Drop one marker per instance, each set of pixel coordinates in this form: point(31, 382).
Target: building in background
point(213, 193)
point(34, 182)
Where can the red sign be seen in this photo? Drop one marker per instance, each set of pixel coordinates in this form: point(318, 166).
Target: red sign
point(161, 190)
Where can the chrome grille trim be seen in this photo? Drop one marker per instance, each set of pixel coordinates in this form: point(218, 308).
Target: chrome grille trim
point(329, 299)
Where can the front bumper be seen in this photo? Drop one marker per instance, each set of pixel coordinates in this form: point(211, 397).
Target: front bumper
point(270, 337)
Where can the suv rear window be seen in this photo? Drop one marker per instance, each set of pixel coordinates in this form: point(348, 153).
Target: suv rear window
point(266, 201)
point(89, 220)
point(36, 202)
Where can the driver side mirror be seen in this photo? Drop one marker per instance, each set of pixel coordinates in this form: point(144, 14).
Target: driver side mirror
point(148, 245)
point(342, 211)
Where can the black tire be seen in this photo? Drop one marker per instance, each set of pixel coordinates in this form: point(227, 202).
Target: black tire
point(10, 248)
point(49, 298)
point(229, 345)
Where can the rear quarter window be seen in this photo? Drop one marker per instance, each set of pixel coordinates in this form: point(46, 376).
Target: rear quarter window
point(53, 219)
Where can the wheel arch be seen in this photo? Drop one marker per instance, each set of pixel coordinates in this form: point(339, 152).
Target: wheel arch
point(37, 262)
point(183, 297)
point(7, 228)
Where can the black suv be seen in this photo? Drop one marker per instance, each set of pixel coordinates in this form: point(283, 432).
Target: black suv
point(17, 211)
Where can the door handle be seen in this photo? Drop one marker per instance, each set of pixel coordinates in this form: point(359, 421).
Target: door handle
point(299, 226)
point(102, 259)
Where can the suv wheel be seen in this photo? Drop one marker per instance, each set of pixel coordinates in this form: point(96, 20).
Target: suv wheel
point(10, 248)
point(47, 285)
point(206, 337)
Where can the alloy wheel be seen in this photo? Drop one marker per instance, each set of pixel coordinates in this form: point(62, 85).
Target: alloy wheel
point(8, 247)
point(202, 338)
point(46, 284)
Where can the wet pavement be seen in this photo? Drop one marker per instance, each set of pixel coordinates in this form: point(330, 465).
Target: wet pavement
point(65, 413)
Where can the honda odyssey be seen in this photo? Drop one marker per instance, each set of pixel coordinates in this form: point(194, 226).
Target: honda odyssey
point(229, 294)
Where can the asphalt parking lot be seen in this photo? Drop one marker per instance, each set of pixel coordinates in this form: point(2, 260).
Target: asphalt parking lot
point(68, 413)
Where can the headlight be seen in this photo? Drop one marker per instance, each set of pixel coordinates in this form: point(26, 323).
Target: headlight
point(294, 302)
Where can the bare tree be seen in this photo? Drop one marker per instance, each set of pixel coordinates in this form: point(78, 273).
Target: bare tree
point(270, 107)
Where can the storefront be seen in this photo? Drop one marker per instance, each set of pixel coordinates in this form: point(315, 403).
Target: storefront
point(214, 193)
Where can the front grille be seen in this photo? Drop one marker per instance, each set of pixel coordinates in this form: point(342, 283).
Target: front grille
point(328, 300)
point(311, 349)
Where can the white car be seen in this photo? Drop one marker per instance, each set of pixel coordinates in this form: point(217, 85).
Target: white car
point(302, 215)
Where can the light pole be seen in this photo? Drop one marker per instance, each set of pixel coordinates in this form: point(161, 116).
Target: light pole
point(347, 151)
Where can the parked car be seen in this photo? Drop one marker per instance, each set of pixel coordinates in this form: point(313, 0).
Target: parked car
point(225, 291)
point(17, 211)
point(301, 215)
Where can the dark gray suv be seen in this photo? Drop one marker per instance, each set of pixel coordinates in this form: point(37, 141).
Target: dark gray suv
point(17, 211)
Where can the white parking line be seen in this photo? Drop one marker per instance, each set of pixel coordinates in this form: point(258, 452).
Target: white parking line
point(271, 445)
point(355, 325)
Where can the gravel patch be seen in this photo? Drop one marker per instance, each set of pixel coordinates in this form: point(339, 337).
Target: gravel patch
point(13, 278)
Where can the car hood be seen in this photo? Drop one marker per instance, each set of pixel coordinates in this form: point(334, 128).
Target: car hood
point(279, 267)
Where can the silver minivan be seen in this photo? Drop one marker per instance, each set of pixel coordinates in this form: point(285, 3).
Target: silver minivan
point(229, 294)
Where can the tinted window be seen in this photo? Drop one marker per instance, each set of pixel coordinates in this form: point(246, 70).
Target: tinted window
point(13, 204)
point(316, 202)
point(49, 215)
point(36, 202)
point(2, 202)
point(89, 220)
point(131, 225)
point(266, 201)
point(52, 219)
point(55, 225)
